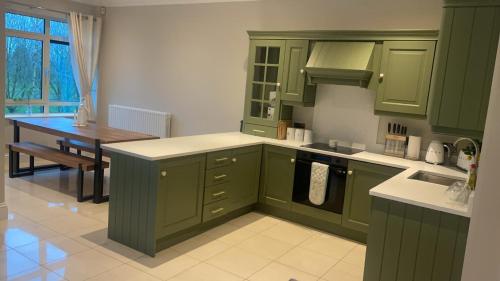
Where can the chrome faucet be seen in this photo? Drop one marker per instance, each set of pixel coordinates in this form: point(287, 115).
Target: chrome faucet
point(476, 146)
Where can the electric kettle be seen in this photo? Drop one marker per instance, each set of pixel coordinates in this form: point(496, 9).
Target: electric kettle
point(435, 153)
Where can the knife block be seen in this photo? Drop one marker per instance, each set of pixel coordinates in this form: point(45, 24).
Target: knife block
point(395, 145)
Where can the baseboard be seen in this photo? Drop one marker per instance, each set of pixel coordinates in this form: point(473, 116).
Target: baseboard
point(3, 211)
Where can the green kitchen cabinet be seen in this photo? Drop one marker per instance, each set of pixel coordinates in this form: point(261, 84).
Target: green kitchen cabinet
point(151, 200)
point(180, 194)
point(245, 174)
point(277, 176)
point(264, 82)
point(295, 86)
point(407, 242)
point(464, 67)
point(361, 177)
point(404, 79)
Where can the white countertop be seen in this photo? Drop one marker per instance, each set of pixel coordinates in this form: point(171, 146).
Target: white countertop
point(398, 188)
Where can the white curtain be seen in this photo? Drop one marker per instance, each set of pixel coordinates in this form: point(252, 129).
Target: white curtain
point(84, 39)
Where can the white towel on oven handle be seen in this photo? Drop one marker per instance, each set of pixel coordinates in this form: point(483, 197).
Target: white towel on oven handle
point(319, 180)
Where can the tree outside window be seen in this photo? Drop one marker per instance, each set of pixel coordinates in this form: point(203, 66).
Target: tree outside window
point(38, 81)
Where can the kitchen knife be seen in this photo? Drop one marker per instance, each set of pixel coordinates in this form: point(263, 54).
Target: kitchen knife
point(394, 128)
point(389, 128)
point(398, 131)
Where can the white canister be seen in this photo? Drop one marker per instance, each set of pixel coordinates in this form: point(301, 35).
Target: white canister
point(299, 135)
point(413, 150)
point(290, 134)
point(308, 136)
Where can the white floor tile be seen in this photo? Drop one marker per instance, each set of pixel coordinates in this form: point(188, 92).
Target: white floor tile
point(69, 223)
point(308, 261)
point(329, 245)
point(124, 273)
point(239, 262)
point(205, 272)
point(356, 256)
point(13, 263)
point(51, 250)
point(289, 233)
point(201, 247)
point(118, 251)
point(83, 266)
point(39, 274)
point(345, 272)
point(279, 272)
point(165, 265)
point(265, 246)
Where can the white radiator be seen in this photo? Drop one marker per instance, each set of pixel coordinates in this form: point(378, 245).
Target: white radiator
point(140, 120)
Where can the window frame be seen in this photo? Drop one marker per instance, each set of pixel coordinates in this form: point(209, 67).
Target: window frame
point(46, 39)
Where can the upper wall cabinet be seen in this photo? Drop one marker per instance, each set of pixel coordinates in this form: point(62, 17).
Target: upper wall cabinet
point(405, 75)
point(264, 82)
point(464, 68)
point(295, 88)
point(284, 68)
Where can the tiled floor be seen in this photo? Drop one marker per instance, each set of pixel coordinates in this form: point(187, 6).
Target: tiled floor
point(49, 236)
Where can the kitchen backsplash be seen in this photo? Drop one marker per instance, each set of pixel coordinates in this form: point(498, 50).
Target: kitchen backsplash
point(347, 113)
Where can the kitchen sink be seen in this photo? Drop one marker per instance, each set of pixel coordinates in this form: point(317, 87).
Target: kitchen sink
point(433, 178)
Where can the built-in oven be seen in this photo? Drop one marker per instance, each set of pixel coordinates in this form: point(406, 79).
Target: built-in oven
point(335, 188)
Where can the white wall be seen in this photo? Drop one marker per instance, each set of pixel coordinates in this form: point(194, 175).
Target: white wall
point(482, 257)
point(190, 60)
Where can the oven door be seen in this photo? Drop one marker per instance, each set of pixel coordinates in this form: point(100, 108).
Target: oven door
point(334, 200)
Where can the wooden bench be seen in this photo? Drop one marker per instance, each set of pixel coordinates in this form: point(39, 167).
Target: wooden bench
point(82, 163)
point(66, 144)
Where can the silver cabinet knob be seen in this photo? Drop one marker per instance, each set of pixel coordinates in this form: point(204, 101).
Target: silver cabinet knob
point(301, 71)
point(163, 173)
point(381, 75)
point(278, 85)
point(292, 160)
point(349, 173)
point(234, 160)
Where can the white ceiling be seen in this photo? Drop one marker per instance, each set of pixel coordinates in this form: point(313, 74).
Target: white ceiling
point(123, 3)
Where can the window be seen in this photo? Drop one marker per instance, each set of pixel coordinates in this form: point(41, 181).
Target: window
point(39, 77)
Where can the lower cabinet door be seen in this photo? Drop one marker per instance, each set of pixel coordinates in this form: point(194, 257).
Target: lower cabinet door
point(357, 201)
point(277, 176)
point(245, 176)
point(180, 194)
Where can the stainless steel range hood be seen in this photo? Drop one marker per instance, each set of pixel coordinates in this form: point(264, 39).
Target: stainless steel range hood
point(341, 63)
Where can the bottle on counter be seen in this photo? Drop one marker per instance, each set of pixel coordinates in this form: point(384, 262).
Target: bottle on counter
point(472, 177)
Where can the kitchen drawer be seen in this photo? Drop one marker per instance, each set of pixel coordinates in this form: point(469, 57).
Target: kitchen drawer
point(215, 210)
point(218, 159)
point(216, 193)
point(218, 176)
point(260, 131)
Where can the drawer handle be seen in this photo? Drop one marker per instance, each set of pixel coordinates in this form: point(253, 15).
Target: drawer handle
point(349, 173)
point(217, 211)
point(217, 194)
point(220, 177)
point(258, 131)
point(221, 159)
point(163, 173)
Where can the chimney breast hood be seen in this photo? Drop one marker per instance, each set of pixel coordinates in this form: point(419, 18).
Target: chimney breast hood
point(341, 63)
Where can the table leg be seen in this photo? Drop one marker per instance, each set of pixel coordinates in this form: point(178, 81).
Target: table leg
point(98, 175)
point(17, 138)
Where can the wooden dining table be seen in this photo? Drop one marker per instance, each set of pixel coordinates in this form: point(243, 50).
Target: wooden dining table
point(92, 134)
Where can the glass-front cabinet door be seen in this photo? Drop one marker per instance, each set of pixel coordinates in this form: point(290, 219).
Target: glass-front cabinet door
point(265, 71)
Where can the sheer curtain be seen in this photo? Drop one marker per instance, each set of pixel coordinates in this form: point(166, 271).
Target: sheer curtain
point(84, 39)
